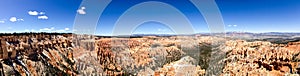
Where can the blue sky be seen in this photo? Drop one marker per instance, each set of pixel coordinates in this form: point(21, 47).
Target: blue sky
point(238, 15)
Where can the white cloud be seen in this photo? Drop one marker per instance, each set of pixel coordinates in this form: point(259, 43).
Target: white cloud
point(47, 29)
point(2, 21)
point(60, 31)
point(32, 30)
point(34, 13)
point(67, 29)
point(20, 19)
point(13, 19)
point(81, 11)
point(43, 17)
point(232, 25)
point(52, 29)
point(82, 7)
point(42, 13)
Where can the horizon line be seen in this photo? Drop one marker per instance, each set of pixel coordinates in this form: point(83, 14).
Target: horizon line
point(144, 33)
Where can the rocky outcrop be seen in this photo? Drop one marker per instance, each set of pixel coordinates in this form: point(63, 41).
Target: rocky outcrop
point(186, 66)
point(37, 54)
point(43, 54)
point(144, 56)
point(260, 58)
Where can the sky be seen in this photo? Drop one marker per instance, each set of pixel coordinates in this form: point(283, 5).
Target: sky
point(238, 15)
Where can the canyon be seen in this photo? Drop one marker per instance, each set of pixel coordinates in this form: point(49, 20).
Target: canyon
point(190, 55)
